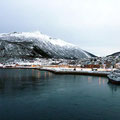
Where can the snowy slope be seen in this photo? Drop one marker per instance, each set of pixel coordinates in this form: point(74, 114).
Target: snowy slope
point(35, 44)
point(115, 54)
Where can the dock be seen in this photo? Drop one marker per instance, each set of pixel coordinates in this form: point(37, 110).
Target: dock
point(67, 71)
point(76, 72)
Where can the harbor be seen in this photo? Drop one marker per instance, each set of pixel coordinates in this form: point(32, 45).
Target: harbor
point(73, 70)
point(77, 71)
point(41, 95)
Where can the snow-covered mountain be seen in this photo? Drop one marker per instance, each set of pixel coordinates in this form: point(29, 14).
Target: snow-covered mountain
point(35, 44)
point(115, 54)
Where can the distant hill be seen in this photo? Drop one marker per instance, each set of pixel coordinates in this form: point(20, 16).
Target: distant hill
point(115, 54)
point(35, 44)
point(92, 55)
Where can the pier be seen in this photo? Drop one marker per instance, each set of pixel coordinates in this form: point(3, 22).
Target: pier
point(66, 71)
point(63, 71)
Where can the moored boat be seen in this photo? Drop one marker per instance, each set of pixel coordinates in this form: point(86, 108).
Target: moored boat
point(114, 77)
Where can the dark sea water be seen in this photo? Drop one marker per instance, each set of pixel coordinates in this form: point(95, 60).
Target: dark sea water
point(38, 95)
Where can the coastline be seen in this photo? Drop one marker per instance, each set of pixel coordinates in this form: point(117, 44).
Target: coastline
point(68, 71)
point(77, 72)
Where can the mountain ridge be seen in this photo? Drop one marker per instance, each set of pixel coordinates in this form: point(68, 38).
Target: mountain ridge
point(35, 44)
point(114, 54)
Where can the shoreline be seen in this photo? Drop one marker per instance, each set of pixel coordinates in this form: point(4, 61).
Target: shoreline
point(67, 71)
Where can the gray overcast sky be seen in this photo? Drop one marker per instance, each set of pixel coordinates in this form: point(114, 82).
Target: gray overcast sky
point(94, 25)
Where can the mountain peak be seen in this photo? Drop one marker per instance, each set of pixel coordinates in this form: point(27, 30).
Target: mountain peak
point(36, 44)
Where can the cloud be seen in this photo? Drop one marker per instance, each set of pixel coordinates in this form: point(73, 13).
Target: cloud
point(89, 23)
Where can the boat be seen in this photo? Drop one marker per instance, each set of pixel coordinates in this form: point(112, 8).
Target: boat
point(114, 77)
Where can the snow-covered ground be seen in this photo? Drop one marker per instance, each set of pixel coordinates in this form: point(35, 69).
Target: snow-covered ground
point(62, 69)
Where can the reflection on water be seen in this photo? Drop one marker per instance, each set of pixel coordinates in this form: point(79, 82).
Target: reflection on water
point(21, 79)
point(38, 95)
point(38, 74)
point(114, 88)
point(89, 79)
point(100, 80)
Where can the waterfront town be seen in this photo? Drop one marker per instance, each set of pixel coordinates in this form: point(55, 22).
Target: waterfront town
point(109, 62)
